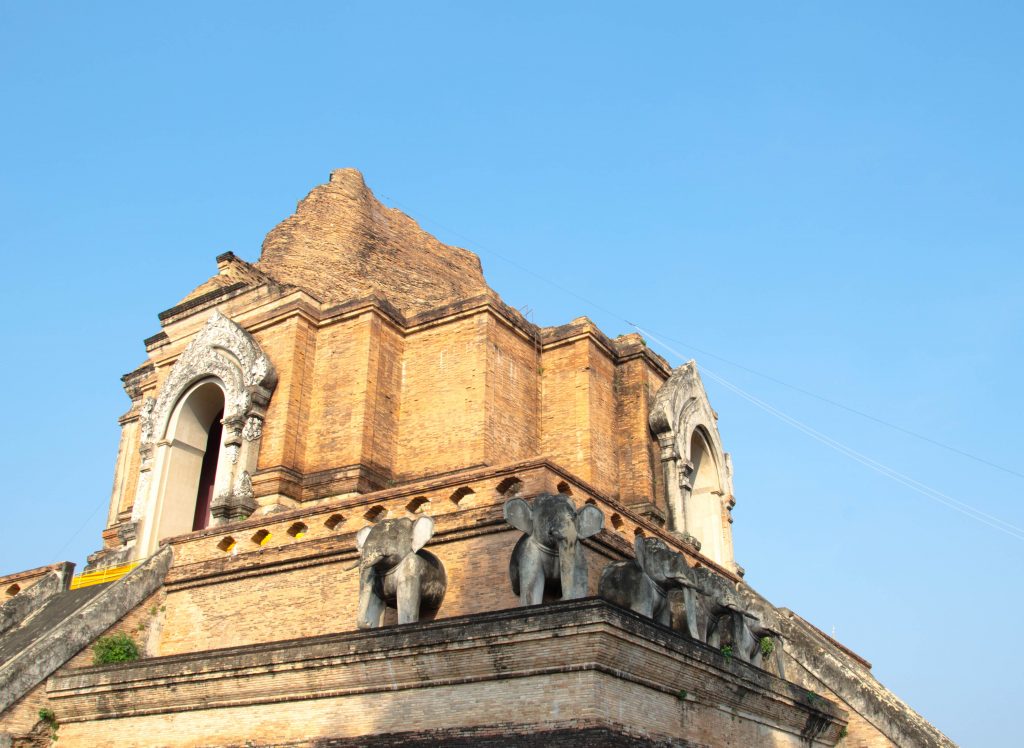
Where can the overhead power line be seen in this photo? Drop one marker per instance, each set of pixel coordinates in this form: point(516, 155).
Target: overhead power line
point(915, 485)
point(878, 467)
point(808, 393)
point(848, 409)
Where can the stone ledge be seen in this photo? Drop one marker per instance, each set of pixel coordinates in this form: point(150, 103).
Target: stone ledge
point(49, 644)
point(848, 676)
point(517, 646)
point(313, 486)
point(577, 733)
point(30, 576)
point(153, 340)
point(341, 548)
point(537, 475)
point(201, 302)
point(35, 593)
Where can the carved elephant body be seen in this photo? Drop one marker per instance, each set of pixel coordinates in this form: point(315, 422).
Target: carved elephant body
point(716, 614)
point(643, 584)
point(550, 552)
point(395, 571)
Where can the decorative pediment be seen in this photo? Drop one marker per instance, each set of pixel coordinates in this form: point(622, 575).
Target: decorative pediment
point(681, 399)
point(698, 473)
point(223, 350)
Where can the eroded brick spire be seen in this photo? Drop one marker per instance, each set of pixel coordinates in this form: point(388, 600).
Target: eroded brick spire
point(342, 243)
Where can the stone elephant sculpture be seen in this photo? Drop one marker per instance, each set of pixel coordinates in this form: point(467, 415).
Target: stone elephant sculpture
point(717, 616)
point(767, 624)
point(550, 550)
point(395, 570)
point(643, 584)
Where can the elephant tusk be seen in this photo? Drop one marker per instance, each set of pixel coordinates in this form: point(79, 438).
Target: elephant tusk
point(684, 582)
point(352, 567)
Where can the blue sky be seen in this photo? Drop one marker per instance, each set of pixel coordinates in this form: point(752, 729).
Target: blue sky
point(826, 193)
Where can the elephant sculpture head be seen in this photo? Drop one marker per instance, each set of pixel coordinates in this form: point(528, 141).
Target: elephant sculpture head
point(717, 615)
point(550, 550)
point(395, 570)
point(663, 566)
point(642, 584)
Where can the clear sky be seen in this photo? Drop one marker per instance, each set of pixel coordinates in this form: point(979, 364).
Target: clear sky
point(827, 193)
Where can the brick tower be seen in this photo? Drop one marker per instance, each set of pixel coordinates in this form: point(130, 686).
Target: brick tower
point(362, 383)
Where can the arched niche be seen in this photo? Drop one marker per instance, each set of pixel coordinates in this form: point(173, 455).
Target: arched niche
point(194, 452)
point(698, 480)
point(704, 508)
point(222, 365)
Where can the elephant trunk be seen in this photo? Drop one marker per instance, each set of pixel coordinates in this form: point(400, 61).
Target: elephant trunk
point(371, 606)
point(678, 581)
point(567, 568)
point(371, 559)
point(679, 575)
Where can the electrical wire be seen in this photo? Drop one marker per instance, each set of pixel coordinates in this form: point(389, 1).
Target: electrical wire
point(755, 372)
point(849, 409)
point(81, 527)
point(915, 485)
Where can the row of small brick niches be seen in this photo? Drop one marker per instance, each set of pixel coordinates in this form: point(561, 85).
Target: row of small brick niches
point(458, 493)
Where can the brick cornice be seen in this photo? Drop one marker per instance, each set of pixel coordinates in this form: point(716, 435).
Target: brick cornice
point(394, 497)
point(202, 301)
point(579, 636)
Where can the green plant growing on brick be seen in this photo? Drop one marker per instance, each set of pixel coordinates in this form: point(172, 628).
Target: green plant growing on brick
point(727, 652)
point(843, 732)
point(47, 717)
point(114, 648)
point(767, 646)
point(812, 697)
point(682, 694)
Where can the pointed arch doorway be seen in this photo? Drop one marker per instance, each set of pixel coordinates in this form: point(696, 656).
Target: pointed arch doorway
point(193, 451)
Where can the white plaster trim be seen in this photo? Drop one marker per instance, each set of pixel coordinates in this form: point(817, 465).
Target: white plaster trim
point(680, 408)
point(223, 351)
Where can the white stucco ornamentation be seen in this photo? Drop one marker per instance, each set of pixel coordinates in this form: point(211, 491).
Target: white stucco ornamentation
point(223, 350)
point(146, 424)
point(223, 353)
point(698, 473)
point(253, 428)
point(244, 485)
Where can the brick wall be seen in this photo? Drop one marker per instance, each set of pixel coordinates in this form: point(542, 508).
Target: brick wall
point(441, 424)
point(604, 667)
point(511, 429)
point(291, 346)
point(335, 424)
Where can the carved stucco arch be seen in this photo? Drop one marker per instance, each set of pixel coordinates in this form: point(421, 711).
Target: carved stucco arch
point(681, 409)
point(223, 352)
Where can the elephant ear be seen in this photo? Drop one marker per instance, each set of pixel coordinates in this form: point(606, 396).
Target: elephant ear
point(362, 535)
point(640, 549)
point(422, 531)
point(589, 521)
point(519, 515)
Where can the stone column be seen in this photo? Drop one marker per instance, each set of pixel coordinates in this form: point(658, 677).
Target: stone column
point(685, 492)
point(673, 495)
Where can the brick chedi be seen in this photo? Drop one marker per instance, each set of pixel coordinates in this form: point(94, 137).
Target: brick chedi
point(359, 500)
point(342, 244)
